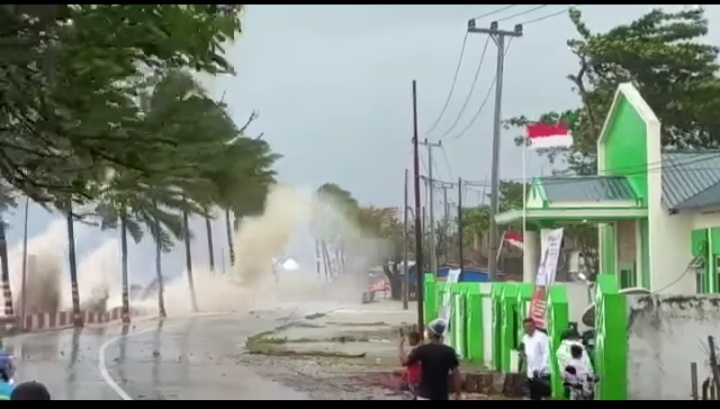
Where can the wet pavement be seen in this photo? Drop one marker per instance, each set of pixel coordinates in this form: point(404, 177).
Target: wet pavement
point(177, 358)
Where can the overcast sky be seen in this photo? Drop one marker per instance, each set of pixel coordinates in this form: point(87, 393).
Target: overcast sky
point(332, 84)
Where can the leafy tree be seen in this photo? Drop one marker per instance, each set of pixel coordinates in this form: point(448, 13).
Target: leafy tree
point(384, 223)
point(663, 54)
point(70, 77)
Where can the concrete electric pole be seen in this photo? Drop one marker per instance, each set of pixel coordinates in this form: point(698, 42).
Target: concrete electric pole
point(498, 36)
point(433, 251)
point(418, 232)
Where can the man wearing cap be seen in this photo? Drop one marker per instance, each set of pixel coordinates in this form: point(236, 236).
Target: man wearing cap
point(437, 361)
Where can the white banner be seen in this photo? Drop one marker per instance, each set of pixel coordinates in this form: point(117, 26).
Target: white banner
point(446, 309)
point(551, 242)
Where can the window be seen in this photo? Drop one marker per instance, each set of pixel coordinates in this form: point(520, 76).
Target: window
point(628, 279)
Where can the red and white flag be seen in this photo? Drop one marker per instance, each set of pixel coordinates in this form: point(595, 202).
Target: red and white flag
point(514, 238)
point(549, 135)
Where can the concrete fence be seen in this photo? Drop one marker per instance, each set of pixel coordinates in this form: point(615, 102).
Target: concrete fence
point(64, 319)
point(486, 326)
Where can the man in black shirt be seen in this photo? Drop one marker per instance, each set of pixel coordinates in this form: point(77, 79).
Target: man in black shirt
point(437, 361)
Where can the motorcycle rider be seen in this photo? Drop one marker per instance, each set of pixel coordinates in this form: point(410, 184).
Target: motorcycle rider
point(578, 378)
point(572, 353)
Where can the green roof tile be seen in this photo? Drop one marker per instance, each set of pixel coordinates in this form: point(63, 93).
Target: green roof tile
point(690, 179)
point(587, 188)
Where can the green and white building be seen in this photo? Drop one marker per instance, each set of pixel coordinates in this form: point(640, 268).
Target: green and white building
point(658, 211)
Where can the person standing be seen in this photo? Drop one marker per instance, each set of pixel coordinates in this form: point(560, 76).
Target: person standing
point(536, 353)
point(437, 362)
point(413, 373)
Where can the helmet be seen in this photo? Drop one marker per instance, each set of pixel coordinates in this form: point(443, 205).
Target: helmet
point(437, 327)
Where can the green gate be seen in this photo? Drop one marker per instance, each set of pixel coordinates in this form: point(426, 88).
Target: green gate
point(509, 329)
point(610, 339)
point(558, 312)
point(496, 296)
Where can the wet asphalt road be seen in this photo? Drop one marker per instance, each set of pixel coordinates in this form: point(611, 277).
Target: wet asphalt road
point(176, 358)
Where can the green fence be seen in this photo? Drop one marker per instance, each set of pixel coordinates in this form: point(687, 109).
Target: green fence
point(509, 304)
point(610, 339)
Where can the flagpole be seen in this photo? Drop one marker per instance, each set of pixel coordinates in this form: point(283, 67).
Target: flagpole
point(524, 205)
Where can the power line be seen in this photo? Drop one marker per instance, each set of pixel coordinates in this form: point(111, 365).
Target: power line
point(472, 88)
point(653, 167)
point(484, 102)
point(522, 13)
point(447, 162)
point(535, 20)
point(452, 87)
point(501, 9)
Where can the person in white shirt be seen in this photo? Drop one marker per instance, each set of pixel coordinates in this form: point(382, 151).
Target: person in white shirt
point(536, 353)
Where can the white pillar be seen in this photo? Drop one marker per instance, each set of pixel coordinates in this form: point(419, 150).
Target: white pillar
point(531, 255)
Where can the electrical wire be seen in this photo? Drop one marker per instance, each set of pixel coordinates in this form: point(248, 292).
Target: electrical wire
point(452, 86)
point(535, 20)
point(522, 13)
point(484, 102)
point(501, 9)
point(447, 162)
point(619, 170)
point(472, 89)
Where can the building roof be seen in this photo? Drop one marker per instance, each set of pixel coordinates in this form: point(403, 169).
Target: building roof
point(586, 188)
point(690, 179)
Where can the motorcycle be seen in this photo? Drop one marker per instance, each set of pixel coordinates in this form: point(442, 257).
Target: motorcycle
point(579, 386)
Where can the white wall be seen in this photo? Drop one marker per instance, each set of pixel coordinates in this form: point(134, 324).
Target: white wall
point(666, 334)
point(669, 257)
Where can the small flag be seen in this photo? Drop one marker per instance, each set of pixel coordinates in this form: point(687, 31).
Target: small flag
point(513, 238)
point(549, 135)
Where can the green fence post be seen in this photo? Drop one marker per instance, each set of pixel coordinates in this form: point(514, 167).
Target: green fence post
point(497, 310)
point(475, 330)
point(558, 319)
point(524, 298)
point(457, 323)
point(610, 339)
point(429, 299)
point(509, 321)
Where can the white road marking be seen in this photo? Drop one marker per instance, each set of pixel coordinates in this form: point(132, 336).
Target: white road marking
point(102, 365)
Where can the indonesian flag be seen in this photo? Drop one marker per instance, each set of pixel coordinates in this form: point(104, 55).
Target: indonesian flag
point(513, 238)
point(549, 135)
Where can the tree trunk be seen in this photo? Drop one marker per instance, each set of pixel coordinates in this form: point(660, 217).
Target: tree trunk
point(394, 279)
point(124, 259)
point(188, 261)
point(77, 314)
point(211, 247)
point(7, 292)
point(158, 271)
point(230, 233)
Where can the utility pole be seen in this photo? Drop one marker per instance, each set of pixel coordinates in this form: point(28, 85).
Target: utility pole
point(406, 270)
point(446, 223)
point(460, 229)
point(498, 36)
point(23, 290)
point(418, 233)
point(431, 199)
